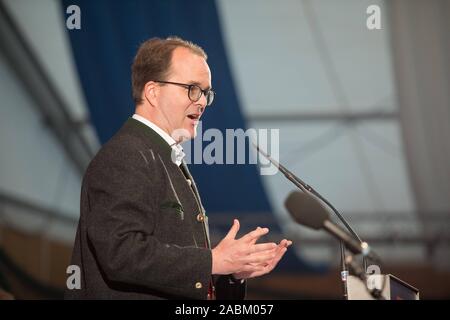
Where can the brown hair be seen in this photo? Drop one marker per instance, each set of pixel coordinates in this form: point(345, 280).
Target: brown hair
point(153, 60)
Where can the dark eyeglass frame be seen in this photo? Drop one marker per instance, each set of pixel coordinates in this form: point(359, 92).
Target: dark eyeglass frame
point(208, 93)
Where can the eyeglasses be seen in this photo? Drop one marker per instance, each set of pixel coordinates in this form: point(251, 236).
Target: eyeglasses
point(194, 91)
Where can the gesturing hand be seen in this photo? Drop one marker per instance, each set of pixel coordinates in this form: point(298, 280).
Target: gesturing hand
point(267, 266)
point(243, 256)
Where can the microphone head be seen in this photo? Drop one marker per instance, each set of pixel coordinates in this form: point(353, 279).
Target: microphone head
point(306, 210)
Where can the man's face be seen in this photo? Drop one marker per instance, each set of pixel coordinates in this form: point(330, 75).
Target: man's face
point(179, 113)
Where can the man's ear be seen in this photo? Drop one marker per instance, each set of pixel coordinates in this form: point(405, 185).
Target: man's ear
point(150, 93)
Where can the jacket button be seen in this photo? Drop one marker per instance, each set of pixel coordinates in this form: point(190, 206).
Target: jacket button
point(189, 182)
point(198, 285)
point(200, 217)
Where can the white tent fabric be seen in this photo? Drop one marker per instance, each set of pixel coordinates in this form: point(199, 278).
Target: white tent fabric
point(314, 64)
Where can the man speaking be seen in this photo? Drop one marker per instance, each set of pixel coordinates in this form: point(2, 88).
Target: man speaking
point(143, 232)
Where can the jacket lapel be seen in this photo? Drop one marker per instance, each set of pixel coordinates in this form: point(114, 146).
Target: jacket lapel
point(188, 175)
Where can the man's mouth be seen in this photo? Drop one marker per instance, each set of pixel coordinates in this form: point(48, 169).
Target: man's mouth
point(194, 116)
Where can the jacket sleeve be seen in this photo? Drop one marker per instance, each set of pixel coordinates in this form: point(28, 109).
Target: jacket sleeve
point(227, 289)
point(123, 206)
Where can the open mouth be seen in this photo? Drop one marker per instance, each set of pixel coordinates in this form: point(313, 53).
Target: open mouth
point(194, 116)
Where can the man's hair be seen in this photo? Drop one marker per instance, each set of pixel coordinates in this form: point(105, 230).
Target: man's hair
point(153, 61)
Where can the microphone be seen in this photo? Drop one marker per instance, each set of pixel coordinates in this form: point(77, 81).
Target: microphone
point(307, 189)
point(308, 211)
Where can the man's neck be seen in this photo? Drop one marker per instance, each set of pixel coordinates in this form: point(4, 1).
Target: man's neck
point(154, 125)
point(153, 118)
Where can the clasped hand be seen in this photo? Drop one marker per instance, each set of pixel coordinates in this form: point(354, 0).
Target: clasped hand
point(243, 257)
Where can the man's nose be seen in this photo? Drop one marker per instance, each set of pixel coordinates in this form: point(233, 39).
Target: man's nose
point(201, 108)
point(201, 103)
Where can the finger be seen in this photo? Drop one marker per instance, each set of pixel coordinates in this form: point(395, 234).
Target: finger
point(251, 268)
point(259, 258)
point(254, 270)
point(261, 247)
point(254, 240)
point(254, 235)
point(262, 264)
point(282, 243)
point(277, 259)
point(256, 273)
point(233, 230)
point(270, 265)
point(285, 243)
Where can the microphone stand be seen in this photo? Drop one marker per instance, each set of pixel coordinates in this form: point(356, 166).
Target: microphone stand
point(344, 270)
point(308, 189)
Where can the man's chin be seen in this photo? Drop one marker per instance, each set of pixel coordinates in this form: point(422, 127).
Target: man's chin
point(191, 132)
point(182, 134)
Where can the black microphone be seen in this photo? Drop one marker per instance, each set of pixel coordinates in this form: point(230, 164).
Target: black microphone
point(307, 189)
point(308, 211)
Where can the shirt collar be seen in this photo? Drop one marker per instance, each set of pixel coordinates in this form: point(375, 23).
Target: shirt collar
point(177, 149)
